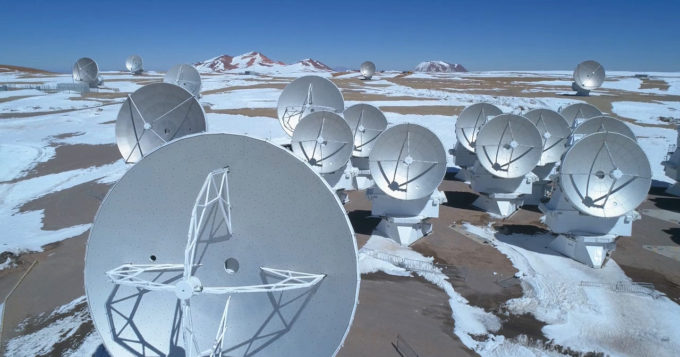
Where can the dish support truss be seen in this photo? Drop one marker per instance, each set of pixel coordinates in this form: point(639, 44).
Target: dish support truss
point(148, 125)
point(215, 191)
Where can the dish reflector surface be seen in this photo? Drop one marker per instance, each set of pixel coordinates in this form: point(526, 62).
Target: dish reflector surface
point(154, 115)
point(145, 218)
point(134, 64)
point(509, 146)
point(589, 75)
point(324, 141)
point(86, 70)
point(471, 119)
point(579, 111)
point(185, 76)
point(554, 131)
point(602, 124)
point(605, 175)
point(367, 69)
point(366, 122)
point(408, 162)
point(306, 95)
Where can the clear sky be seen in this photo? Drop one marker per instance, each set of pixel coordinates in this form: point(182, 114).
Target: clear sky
point(636, 35)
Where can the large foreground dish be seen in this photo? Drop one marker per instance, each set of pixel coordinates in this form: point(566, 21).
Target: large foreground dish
point(215, 233)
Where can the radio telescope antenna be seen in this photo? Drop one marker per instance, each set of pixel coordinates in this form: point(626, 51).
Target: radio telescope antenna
point(306, 95)
point(324, 141)
point(196, 251)
point(672, 167)
point(602, 179)
point(407, 163)
point(154, 115)
point(602, 124)
point(470, 120)
point(185, 76)
point(588, 75)
point(509, 147)
point(555, 132)
point(367, 123)
point(86, 70)
point(577, 113)
point(367, 69)
point(134, 64)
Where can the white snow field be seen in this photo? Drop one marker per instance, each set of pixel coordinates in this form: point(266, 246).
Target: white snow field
point(582, 318)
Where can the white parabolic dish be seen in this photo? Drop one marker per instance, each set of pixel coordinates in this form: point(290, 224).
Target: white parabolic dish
point(324, 141)
point(579, 111)
point(589, 75)
point(554, 131)
point(154, 115)
point(185, 76)
point(86, 70)
point(605, 174)
point(408, 162)
point(366, 122)
point(306, 95)
point(144, 221)
point(471, 120)
point(509, 146)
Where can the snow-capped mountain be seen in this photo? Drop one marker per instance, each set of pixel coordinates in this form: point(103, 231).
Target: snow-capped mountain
point(439, 66)
point(257, 62)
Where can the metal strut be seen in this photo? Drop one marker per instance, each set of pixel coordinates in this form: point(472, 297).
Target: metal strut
point(215, 191)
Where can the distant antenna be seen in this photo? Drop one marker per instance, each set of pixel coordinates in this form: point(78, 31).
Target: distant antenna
point(603, 124)
point(602, 179)
point(134, 64)
point(306, 95)
point(407, 163)
point(86, 70)
point(508, 147)
point(367, 69)
point(196, 251)
point(185, 76)
point(575, 114)
point(154, 115)
point(588, 75)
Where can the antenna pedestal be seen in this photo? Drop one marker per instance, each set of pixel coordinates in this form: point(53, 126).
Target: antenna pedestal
point(500, 196)
point(592, 251)
point(671, 169)
point(405, 221)
point(579, 91)
point(540, 187)
point(464, 159)
point(584, 238)
point(363, 178)
point(342, 180)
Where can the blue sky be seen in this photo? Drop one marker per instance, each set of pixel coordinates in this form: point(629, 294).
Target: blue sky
point(481, 35)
